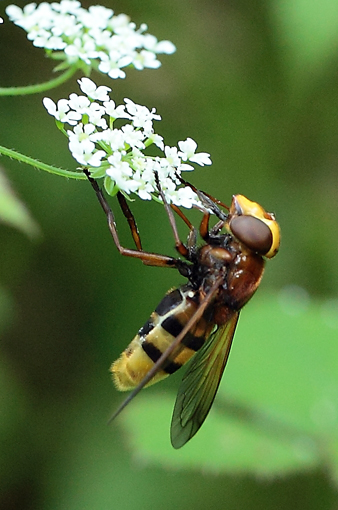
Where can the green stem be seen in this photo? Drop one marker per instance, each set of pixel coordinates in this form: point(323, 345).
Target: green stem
point(39, 87)
point(41, 166)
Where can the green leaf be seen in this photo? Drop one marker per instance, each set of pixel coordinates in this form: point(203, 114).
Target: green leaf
point(277, 408)
point(13, 211)
point(226, 444)
point(110, 186)
point(98, 173)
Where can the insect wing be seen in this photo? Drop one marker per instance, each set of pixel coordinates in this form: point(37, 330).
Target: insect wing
point(200, 384)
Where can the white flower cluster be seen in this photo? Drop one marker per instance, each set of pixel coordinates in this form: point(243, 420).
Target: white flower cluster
point(92, 38)
point(117, 153)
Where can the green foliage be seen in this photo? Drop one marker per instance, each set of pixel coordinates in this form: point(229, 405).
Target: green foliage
point(256, 84)
point(277, 408)
point(308, 31)
point(13, 212)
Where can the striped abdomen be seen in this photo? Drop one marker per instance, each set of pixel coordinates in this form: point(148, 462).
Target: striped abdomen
point(164, 325)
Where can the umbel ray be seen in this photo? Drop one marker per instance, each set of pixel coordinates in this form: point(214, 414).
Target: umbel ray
point(197, 319)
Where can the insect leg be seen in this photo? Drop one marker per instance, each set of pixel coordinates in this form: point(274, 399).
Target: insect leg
point(204, 226)
point(150, 259)
point(216, 228)
point(192, 237)
point(131, 220)
point(180, 247)
point(211, 203)
point(182, 216)
point(198, 192)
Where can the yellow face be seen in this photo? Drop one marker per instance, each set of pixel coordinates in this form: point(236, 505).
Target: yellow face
point(261, 236)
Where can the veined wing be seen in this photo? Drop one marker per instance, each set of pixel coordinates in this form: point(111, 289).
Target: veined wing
point(200, 384)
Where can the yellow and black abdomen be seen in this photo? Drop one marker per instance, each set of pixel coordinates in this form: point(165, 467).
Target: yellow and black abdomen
point(152, 340)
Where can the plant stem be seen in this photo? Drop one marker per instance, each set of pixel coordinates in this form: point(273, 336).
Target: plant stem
point(39, 87)
point(41, 166)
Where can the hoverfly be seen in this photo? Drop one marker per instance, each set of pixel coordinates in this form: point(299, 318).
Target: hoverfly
point(200, 317)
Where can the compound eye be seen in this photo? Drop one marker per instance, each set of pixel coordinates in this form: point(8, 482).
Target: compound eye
point(254, 233)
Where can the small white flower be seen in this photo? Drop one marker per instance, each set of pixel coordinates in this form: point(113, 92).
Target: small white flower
point(82, 136)
point(57, 111)
point(95, 36)
point(184, 167)
point(119, 22)
point(145, 186)
point(25, 18)
point(115, 112)
point(96, 158)
point(151, 43)
point(41, 39)
point(185, 197)
point(132, 137)
point(67, 26)
point(88, 158)
point(172, 156)
point(152, 166)
point(113, 137)
point(112, 69)
point(157, 140)
point(97, 16)
point(118, 152)
point(82, 48)
point(91, 90)
point(112, 63)
point(144, 191)
point(95, 113)
point(141, 116)
point(165, 47)
point(138, 162)
point(146, 59)
point(202, 158)
point(188, 148)
point(53, 43)
point(67, 6)
point(121, 173)
point(79, 103)
point(61, 111)
point(116, 160)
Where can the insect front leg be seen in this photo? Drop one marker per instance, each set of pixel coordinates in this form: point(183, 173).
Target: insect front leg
point(182, 216)
point(180, 247)
point(202, 194)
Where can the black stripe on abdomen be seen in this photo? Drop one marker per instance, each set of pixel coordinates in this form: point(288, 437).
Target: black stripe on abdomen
point(173, 326)
point(170, 301)
point(146, 328)
point(154, 354)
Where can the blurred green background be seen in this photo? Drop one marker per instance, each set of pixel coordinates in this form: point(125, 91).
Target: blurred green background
point(255, 83)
